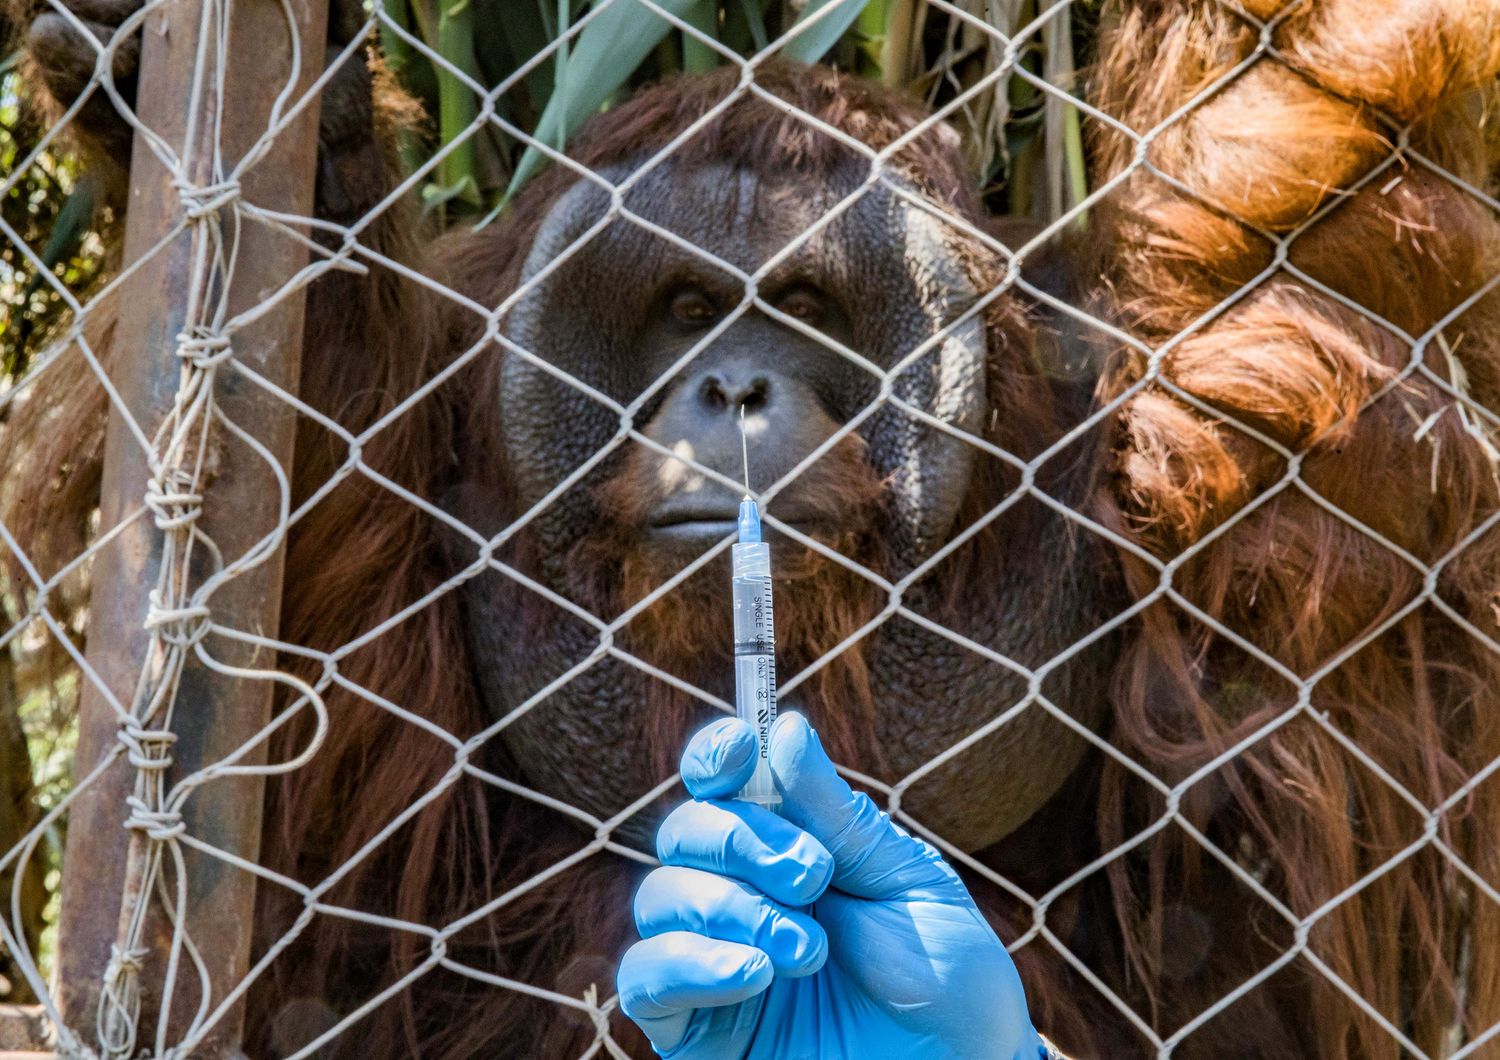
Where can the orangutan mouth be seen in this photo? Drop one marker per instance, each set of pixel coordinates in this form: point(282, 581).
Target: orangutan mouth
point(708, 523)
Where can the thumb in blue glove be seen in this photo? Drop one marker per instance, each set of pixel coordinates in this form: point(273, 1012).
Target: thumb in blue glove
point(827, 932)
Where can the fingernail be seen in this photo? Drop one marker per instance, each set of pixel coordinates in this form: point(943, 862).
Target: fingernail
point(718, 750)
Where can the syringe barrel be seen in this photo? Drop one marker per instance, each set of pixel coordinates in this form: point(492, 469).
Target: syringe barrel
point(755, 661)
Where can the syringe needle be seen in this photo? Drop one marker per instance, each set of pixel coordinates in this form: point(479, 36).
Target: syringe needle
point(744, 451)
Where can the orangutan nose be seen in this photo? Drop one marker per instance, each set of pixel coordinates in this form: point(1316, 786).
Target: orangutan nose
point(783, 421)
point(728, 391)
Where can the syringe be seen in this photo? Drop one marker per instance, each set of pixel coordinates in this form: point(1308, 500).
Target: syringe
point(754, 640)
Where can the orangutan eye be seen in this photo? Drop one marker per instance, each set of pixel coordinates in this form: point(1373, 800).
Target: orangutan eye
point(692, 306)
point(803, 303)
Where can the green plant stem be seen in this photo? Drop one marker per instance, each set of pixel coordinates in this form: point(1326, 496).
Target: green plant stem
point(458, 172)
point(410, 69)
point(697, 56)
point(900, 37)
point(1078, 173)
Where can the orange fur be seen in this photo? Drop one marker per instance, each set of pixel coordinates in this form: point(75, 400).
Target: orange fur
point(1330, 385)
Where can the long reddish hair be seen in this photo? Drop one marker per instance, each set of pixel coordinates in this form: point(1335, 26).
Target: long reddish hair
point(1389, 461)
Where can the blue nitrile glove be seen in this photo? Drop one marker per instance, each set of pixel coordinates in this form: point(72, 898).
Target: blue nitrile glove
point(823, 934)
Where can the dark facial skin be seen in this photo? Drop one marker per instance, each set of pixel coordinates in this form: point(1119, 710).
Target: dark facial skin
point(784, 383)
point(625, 307)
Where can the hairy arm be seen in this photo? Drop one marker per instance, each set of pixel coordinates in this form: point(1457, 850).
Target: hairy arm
point(1320, 438)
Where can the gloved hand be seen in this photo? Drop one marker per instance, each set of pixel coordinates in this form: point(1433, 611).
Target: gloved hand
point(822, 934)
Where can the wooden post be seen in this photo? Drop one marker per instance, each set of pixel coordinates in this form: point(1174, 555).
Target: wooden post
point(214, 714)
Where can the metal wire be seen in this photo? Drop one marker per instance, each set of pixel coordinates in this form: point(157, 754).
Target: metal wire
point(181, 616)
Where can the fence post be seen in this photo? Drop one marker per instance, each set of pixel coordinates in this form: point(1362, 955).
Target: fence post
point(214, 713)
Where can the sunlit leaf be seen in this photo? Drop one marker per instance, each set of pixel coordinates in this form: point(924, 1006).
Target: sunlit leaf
point(814, 42)
point(603, 57)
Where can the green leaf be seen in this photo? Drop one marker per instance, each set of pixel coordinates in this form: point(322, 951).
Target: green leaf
point(501, 52)
point(604, 56)
point(437, 195)
point(755, 21)
point(70, 226)
point(871, 28)
point(419, 75)
point(810, 45)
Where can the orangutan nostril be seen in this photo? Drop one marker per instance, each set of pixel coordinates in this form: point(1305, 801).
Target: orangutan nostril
point(712, 394)
point(718, 393)
point(756, 395)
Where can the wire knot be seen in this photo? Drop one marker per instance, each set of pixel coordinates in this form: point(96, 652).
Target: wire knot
point(181, 627)
point(120, 1000)
point(599, 1017)
point(148, 748)
point(173, 505)
point(200, 201)
point(158, 825)
point(129, 959)
point(203, 348)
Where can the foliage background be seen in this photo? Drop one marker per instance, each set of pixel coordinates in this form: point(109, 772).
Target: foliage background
point(47, 225)
point(1025, 146)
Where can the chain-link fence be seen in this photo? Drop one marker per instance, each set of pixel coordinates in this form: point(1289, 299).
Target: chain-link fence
point(1141, 557)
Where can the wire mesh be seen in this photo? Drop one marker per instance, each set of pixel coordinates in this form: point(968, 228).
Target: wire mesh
point(1435, 384)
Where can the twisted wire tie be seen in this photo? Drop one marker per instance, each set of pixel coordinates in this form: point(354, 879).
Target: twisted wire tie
point(158, 825)
point(597, 1015)
point(600, 1018)
point(200, 201)
point(203, 348)
point(128, 959)
point(147, 748)
point(173, 507)
point(181, 627)
point(119, 1000)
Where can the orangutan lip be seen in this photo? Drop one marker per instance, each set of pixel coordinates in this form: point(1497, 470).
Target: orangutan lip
point(706, 528)
point(694, 528)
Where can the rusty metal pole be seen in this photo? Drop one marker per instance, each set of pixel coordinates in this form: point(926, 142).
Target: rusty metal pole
point(215, 714)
